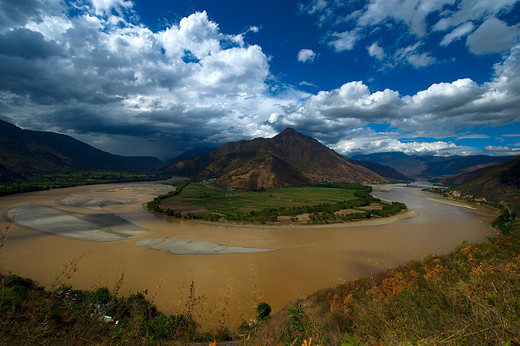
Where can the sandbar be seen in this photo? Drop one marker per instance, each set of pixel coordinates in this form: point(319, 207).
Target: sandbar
point(179, 246)
point(90, 227)
point(92, 202)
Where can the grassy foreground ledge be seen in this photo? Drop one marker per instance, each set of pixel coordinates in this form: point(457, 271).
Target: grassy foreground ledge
point(29, 314)
point(470, 296)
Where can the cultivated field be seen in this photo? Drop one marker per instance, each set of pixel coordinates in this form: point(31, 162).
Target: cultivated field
point(323, 202)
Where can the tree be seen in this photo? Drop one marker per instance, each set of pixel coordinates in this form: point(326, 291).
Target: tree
point(262, 311)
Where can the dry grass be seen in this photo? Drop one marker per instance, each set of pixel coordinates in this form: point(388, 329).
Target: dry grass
point(470, 296)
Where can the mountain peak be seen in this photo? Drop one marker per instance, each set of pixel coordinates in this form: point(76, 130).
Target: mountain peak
point(288, 159)
point(288, 132)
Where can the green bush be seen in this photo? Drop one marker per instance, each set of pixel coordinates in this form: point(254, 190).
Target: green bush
point(263, 310)
point(101, 295)
point(295, 329)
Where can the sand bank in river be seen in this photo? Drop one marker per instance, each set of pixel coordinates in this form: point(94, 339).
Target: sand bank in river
point(179, 246)
point(107, 227)
point(92, 202)
point(91, 227)
point(307, 258)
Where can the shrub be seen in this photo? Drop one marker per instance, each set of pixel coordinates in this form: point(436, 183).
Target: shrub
point(101, 295)
point(263, 310)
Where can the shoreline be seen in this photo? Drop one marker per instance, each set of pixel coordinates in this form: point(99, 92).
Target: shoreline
point(306, 257)
point(374, 221)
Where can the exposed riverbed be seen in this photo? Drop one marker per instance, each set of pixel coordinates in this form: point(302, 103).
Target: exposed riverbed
point(238, 266)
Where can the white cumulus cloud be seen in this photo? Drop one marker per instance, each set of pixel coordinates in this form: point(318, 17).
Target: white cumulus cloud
point(346, 40)
point(376, 51)
point(413, 56)
point(368, 141)
point(436, 112)
point(306, 55)
point(98, 73)
point(350, 22)
point(104, 6)
point(119, 81)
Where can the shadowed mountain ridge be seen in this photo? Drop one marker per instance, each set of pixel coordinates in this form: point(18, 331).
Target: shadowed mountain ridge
point(500, 184)
point(288, 159)
point(24, 153)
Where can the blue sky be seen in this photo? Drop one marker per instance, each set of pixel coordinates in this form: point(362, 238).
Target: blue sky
point(158, 77)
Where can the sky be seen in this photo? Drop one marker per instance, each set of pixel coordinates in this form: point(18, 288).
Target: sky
point(160, 77)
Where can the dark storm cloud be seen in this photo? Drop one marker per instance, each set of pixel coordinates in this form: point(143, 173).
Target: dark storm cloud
point(18, 11)
point(27, 44)
point(92, 72)
point(44, 82)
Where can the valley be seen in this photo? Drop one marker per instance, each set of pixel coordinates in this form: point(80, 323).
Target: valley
point(276, 264)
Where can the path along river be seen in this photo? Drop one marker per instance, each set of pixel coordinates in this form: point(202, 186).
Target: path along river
point(53, 228)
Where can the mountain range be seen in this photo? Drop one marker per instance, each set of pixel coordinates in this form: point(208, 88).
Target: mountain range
point(288, 159)
point(432, 167)
point(24, 153)
point(382, 170)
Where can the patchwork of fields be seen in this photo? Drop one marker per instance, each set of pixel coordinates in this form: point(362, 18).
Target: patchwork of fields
point(328, 203)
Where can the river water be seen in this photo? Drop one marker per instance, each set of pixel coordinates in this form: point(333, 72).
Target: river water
point(305, 259)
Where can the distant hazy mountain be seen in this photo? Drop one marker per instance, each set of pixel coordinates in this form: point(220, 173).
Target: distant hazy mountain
point(499, 184)
point(382, 170)
point(288, 159)
point(428, 167)
point(190, 153)
point(25, 152)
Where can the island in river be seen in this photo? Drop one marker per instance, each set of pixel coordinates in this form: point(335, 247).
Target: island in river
point(276, 264)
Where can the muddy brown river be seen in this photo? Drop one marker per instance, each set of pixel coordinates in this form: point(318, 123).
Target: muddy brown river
point(107, 232)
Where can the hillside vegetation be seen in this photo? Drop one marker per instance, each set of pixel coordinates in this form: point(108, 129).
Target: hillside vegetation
point(33, 315)
point(42, 182)
point(500, 185)
point(468, 297)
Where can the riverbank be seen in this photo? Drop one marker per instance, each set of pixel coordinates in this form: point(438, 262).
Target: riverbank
point(374, 221)
point(467, 296)
point(304, 260)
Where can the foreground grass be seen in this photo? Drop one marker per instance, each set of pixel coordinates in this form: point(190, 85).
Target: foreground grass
point(30, 314)
point(470, 296)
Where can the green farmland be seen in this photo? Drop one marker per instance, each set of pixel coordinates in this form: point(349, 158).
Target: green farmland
point(75, 178)
point(318, 204)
